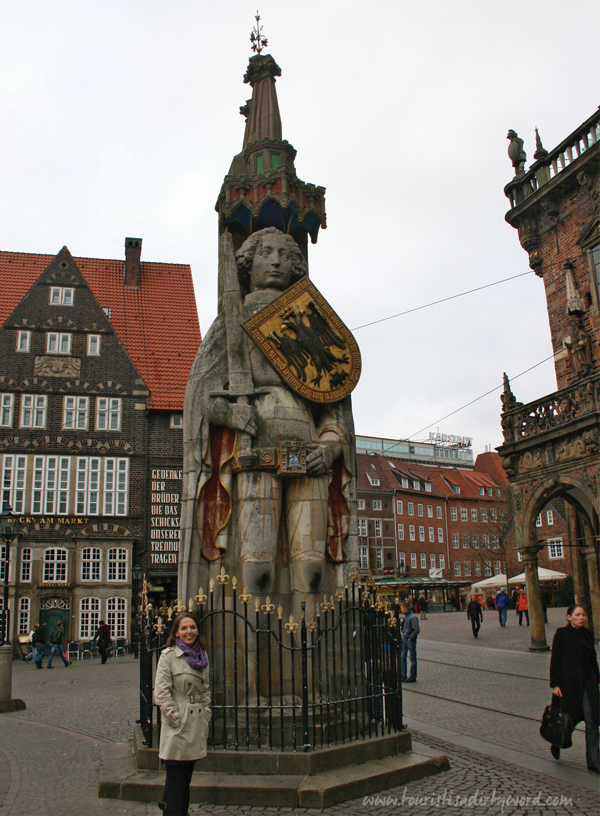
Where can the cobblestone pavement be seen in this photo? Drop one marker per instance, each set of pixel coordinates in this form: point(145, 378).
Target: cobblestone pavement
point(52, 750)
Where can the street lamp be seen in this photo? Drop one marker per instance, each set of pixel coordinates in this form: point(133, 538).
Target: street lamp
point(137, 574)
point(8, 533)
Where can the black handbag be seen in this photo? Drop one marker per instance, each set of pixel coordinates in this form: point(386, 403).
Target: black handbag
point(557, 726)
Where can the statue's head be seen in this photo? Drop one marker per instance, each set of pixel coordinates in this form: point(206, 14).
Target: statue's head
point(269, 259)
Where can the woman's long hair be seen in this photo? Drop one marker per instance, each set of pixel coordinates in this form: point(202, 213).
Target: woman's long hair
point(175, 628)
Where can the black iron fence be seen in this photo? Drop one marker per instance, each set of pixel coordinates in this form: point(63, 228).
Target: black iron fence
point(328, 678)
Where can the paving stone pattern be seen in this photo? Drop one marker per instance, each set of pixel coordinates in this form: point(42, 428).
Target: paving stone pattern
point(51, 752)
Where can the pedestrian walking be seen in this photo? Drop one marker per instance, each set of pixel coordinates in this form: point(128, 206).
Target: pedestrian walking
point(182, 692)
point(39, 644)
point(410, 633)
point(545, 603)
point(522, 607)
point(423, 607)
point(514, 598)
point(103, 637)
point(56, 643)
point(31, 656)
point(475, 614)
point(502, 606)
point(574, 678)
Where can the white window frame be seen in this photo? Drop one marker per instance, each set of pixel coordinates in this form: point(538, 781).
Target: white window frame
point(360, 504)
point(23, 341)
point(431, 535)
point(453, 514)
point(466, 541)
point(416, 484)
point(411, 509)
point(362, 528)
point(420, 510)
point(24, 614)
point(26, 565)
point(423, 560)
point(94, 344)
point(467, 569)
point(549, 518)
point(116, 616)
point(108, 413)
point(374, 482)
point(438, 512)
point(401, 532)
point(58, 342)
point(464, 515)
point(364, 557)
point(487, 569)
point(442, 558)
point(399, 506)
point(404, 482)
point(411, 532)
point(477, 568)
point(421, 533)
point(76, 413)
point(457, 569)
point(413, 560)
point(455, 541)
point(475, 541)
point(431, 560)
point(555, 548)
point(117, 565)
point(89, 617)
point(7, 406)
point(14, 481)
point(379, 558)
point(493, 514)
point(427, 487)
point(485, 541)
point(440, 535)
point(538, 521)
point(87, 486)
point(474, 514)
point(430, 511)
point(497, 568)
point(495, 542)
point(402, 560)
point(378, 530)
point(33, 410)
point(62, 296)
point(56, 566)
point(376, 504)
point(91, 565)
point(176, 421)
point(484, 517)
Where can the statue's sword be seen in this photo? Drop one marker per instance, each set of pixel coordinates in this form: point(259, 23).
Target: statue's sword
point(241, 385)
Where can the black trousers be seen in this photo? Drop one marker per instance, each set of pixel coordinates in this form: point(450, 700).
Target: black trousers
point(476, 625)
point(103, 650)
point(176, 795)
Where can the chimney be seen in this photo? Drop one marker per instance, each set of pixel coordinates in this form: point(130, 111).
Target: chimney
point(133, 264)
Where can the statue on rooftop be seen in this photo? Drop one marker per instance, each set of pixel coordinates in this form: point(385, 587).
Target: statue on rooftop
point(516, 153)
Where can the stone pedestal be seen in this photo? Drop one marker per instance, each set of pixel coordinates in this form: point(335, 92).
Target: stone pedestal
point(6, 702)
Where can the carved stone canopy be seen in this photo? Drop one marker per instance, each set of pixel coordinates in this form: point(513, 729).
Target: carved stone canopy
point(575, 305)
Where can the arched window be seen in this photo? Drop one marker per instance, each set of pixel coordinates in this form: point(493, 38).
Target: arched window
point(116, 616)
point(55, 565)
point(89, 616)
point(24, 610)
point(117, 564)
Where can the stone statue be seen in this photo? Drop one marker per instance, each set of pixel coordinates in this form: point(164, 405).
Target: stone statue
point(280, 533)
point(516, 153)
point(580, 347)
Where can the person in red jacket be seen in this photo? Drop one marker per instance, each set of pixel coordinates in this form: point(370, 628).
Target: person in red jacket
point(522, 606)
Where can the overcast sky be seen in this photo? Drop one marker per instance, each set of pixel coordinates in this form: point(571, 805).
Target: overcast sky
point(120, 118)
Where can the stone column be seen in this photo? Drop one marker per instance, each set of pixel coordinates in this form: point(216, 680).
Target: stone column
point(591, 560)
point(534, 602)
point(6, 702)
point(576, 558)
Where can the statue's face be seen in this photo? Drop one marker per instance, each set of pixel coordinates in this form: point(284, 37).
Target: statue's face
point(272, 264)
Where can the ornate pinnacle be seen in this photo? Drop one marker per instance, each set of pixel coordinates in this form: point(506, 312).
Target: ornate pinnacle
point(507, 397)
point(540, 152)
point(257, 38)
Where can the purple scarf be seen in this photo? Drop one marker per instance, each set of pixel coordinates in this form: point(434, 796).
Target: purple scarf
point(196, 656)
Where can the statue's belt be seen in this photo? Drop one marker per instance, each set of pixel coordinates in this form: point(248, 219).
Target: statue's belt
point(288, 459)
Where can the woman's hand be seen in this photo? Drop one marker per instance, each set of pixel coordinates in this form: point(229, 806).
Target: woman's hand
point(556, 691)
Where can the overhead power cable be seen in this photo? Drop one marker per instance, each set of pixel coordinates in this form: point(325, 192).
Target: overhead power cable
point(443, 300)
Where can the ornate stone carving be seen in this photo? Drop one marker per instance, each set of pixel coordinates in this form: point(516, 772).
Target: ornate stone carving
point(47, 366)
point(516, 153)
point(581, 349)
point(575, 305)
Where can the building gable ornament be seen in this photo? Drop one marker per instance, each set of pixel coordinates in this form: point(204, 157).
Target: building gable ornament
point(55, 603)
point(71, 445)
point(47, 366)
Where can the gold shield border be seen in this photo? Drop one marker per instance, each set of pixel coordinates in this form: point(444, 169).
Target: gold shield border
point(252, 327)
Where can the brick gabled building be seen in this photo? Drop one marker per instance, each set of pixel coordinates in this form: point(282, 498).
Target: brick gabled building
point(94, 359)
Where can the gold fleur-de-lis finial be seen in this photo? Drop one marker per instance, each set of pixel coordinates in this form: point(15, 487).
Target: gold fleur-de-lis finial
point(245, 597)
point(268, 607)
point(201, 597)
point(291, 627)
point(222, 578)
point(257, 38)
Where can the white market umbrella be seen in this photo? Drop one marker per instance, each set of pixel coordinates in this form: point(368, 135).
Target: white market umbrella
point(489, 583)
point(543, 575)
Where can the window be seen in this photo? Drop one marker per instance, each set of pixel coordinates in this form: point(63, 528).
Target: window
point(485, 540)
point(456, 489)
point(401, 532)
point(431, 534)
point(75, 413)
point(497, 492)
point(108, 414)
point(89, 617)
point(489, 491)
point(404, 482)
point(475, 542)
point(488, 569)
point(362, 527)
point(477, 567)
point(55, 566)
point(117, 564)
point(58, 343)
point(465, 542)
point(360, 504)
point(176, 420)
point(423, 560)
point(50, 486)
point(7, 402)
point(88, 486)
point(26, 565)
point(440, 535)
point(23, 340)
point(411, 532)
point(33, 411)
point(374, 482)
point(401, 560)
point(538, 521)
point(467, 569)
point(260, 163)
point(427, 487)
point(495, 542)
point(519, 556)
point(376, 504)
point(3, 561)
point(115, 487)
point(438, 512)
point(497, 568)
point(378, 528)
point(413, 560)
point(107, 311)
point(90, 564)
point(421, 533)
point(442, 558)
point(420, 509)
point(93, 345)
point(59, 296)
point(549, 518)
point(14, 472)
point(432, 560)
point(463, 514)
point(364, 558)
point(453, 514)
point(555, 548)
point(473, 514)
point(416, 484)
point(399, 509)
point(483, 514)
point(482, 491)
point(411, 509)
point(24, 608)
point(379, 558)
point(455, 543)
point(457, 569)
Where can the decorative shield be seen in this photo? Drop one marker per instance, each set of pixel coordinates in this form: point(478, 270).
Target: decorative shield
point(307, 343)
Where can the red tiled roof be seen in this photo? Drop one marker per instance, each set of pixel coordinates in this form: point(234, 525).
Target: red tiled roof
point(157, 324)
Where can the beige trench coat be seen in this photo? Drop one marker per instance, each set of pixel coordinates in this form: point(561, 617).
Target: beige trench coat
point(184, 699)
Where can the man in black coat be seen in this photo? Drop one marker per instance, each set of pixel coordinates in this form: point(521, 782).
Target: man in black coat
point(475, 613)
point(39, 644)
point(574, 677)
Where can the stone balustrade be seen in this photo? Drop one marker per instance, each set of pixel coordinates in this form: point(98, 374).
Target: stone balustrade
point(557, 161)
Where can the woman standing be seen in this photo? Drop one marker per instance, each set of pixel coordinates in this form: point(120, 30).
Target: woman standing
point(574, 677)
point(103, 637)
point(522, 607)
point(182, 692)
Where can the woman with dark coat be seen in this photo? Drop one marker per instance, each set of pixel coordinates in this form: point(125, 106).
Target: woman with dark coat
point(574, 677)
point(182, 691)
point(103, 637)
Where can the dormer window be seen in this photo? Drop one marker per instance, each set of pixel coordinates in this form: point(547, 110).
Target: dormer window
point(455, 489)
point(58, 343)
point(416, 484)
point(61, 296)
point(404, 482)
point(427, 487)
